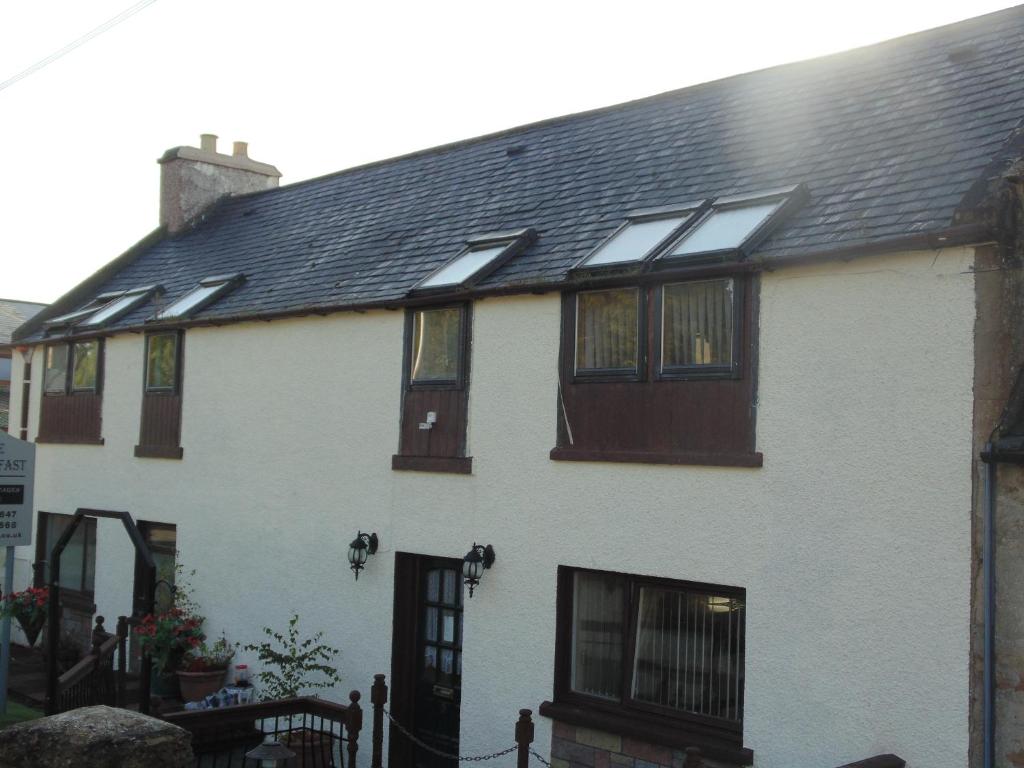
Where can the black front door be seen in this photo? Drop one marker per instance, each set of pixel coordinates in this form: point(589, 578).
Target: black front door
point(428, 655)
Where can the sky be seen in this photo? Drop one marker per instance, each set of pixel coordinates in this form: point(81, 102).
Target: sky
point(315, 87)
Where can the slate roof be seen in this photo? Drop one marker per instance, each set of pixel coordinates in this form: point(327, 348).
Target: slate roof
point(13, 314)
point(887, 138)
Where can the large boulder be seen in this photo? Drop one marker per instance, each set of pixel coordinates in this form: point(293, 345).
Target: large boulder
point(98, 737)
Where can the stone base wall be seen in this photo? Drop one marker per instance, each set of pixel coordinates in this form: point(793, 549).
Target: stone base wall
point(578, 747)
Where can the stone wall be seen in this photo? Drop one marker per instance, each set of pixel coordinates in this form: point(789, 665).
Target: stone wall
point(578, 747)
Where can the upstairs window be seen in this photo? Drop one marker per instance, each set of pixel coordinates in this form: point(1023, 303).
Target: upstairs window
point(55, 369)
point(161, 362)
point(435, 392)
point(71, 368)
point(209, 290)
point(72, 379)
point(481, 256)
point(697, 327)
point(608, 332)
point(85, 366)
point(659, 373)
point(160, 424)
point(436, 346)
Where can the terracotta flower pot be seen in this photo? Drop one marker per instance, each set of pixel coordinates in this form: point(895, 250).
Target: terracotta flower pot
point(31, 627)
point(196, 686)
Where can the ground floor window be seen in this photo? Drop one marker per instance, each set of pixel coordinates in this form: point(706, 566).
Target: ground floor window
point(642, 646)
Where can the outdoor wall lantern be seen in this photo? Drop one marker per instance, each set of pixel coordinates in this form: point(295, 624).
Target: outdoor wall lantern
point(363, 545)
point(270, 754)
point(476, 561)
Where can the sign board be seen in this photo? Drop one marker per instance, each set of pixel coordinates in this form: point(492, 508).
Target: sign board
point(17, 476)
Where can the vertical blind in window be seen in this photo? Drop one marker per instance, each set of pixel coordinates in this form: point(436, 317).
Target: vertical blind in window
point(597, 632)
point(689, 652)
point(697, 324)
point(606, 330)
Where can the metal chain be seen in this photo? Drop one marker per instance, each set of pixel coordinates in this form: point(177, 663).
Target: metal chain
point(420, 743)
point(537, 755)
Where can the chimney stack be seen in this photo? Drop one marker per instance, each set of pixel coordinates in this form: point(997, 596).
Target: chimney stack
point(191, 179)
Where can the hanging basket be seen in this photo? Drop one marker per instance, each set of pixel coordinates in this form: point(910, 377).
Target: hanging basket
point(31, 627)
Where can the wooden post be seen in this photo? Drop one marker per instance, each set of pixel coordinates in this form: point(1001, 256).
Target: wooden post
point(122, 661)
point(378, 697)
point(524, 737)
point(353, 724)
point(52, 640)
point(693, 758)
point(99, 636)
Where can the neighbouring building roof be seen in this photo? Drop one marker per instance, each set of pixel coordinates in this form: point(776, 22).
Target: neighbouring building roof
point(13, 314)
point(888, 140)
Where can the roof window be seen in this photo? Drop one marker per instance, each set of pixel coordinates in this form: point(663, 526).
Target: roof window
point(641, 235)
point(71, 318)
point(209, 290)
point(735, 224)
point(120, 306)
point(481, 256)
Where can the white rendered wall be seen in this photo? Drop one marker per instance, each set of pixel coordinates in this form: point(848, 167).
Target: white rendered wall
point(853, 540)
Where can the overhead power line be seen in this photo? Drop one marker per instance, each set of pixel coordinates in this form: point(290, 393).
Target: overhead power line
point(109, 24)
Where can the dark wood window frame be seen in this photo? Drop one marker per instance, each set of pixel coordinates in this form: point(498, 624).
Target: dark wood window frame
point(718, 738)
point(731, 371)
point(598, 375)
point(160, 420)
point(72, 415)
point(693, 416)
point(454, 459)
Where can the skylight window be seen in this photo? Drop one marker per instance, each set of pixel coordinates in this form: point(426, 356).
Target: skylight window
point(464, 267)
point(725, 229)
point(120, 307)
point(735, 223)
point(210, 289)
point(639, 237)
point(71, 318)
point(480, 258)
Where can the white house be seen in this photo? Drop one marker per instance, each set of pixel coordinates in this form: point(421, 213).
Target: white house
point(710, 372)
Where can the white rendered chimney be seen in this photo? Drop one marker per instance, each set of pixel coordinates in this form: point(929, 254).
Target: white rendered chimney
point(191, 179)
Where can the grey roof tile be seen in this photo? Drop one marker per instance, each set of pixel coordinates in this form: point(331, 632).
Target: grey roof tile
point(887, 138)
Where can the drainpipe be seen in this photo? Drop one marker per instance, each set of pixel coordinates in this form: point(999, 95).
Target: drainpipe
point(989, 588)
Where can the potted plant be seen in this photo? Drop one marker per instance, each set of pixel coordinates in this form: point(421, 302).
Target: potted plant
point(292, 665)
point(167, 637)
point(28, 608)
point(203, 669)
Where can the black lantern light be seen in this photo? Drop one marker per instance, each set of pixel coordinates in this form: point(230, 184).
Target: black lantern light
point(363, 545)
point(270, 754)
point(478, 559)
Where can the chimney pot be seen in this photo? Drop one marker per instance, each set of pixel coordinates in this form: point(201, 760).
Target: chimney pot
point(191, 180)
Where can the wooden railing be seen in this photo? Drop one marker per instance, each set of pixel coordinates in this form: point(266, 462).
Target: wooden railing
point(323, 734)
point(95, 679)
point(320, 733)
